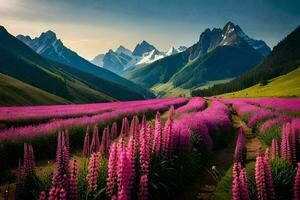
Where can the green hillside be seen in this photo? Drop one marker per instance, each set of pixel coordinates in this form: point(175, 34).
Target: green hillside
point(15, 92)
point(287, 85)
point(284, 58)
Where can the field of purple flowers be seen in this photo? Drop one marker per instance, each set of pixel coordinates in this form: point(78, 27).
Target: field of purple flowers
point(150, 149)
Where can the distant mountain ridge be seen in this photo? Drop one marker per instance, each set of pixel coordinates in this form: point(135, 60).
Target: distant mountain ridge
point(48, 46)
point(219, 54)
point(123, 59)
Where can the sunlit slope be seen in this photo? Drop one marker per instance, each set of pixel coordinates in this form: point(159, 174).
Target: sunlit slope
point(287, 85)
point(15, 92)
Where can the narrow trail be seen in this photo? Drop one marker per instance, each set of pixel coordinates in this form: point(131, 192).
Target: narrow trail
point(252, 142)
point(205, 185)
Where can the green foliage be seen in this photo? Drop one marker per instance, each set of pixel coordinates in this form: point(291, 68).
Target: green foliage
point(283, 174)
point(167, 176)
point(273, 132)
point(223, 190)
point(28, 187)
point(263, 82)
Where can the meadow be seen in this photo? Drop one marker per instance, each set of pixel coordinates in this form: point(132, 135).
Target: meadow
point(174, 148)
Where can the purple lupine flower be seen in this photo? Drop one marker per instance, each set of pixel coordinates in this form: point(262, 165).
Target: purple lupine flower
point(244, 185)
point(67, 140)
point(123, 178)
point(275, 149)
point(171, 112)
point(42, 196)
point(124, 132)
point(285, 143)
point(144, 122)
point(61, 175)
point(184, 137)
point(143, 188)
point(114, 130)
point(62, 194)
point(236, 193)
point(167, 134)
point(112, 169)
point(134, 126)
point(73, 188)
point(157, 135)
point(145, 149)
point(95, 144)
point(104, 142)
point(131, 154)
point(297, 183)
point(126, 126)
point(93, 171)
point(239, 183)
point(260, 179)
point(268, 176)
point(240, 149)
point(54, 193)
point(293, 138)
point(86, 144)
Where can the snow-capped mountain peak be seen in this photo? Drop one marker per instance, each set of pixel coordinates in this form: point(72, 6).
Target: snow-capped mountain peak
point(122, 58)
point(174, 50)
point(229, 35)
point(151, 56)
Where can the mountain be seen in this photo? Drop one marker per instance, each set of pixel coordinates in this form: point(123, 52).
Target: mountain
point(123, 59)
point(228, 50)
point(117, 61)
point(174, 50)
point(150, 57)
point(98, 60)
point(48, 46)
point(17, 93)
point(142, 48)
point(19, 61)
point(284, 58)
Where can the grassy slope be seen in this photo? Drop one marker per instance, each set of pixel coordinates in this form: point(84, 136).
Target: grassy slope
point(168, 89)
point(15, 92)
point(287, 85)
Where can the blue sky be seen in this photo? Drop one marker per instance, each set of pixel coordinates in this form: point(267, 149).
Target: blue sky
point(95, 26)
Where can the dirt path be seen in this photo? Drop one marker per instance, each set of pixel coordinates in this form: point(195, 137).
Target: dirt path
point(205, 185)
point(252, 142)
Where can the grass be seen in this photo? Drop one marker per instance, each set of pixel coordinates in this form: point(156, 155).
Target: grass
point(287, 85)
point(15, 92)
point(168, 89)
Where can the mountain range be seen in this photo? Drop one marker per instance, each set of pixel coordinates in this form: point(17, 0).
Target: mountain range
point(219, 54)
point(123, 59)
point(50, 47)
point(23, 68)
point(43, 70)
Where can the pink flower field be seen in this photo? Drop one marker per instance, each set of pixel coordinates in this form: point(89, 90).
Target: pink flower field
point(148, 149)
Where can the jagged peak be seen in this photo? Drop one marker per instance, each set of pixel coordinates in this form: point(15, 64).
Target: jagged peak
point(49, 35)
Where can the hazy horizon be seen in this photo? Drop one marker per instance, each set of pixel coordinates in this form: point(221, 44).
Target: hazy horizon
point(93, 27)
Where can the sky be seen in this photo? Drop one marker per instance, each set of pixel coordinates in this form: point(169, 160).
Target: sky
point(90, 27)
